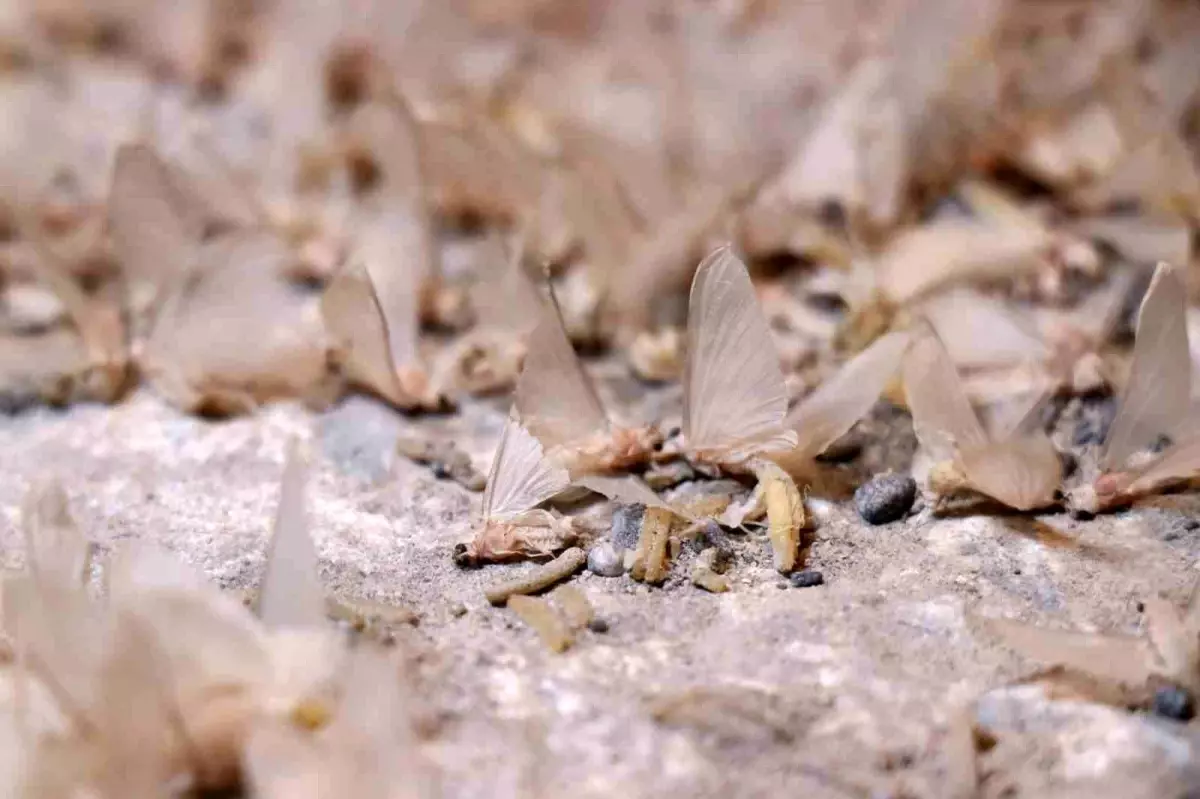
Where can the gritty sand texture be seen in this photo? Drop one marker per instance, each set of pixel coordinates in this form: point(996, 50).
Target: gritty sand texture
point(844, 689)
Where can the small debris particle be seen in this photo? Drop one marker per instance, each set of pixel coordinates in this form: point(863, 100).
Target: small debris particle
point(606, 560)
point(539, 579)
point(715, 558)
point(1173, 702)
point(807, 578)
point(574, 605)
point(458, 610)
point(886, 498)
point(709, 580)
point(651, 563)
point(627, 526)
point(598, 625)
point(444, 459)
point(539, 614)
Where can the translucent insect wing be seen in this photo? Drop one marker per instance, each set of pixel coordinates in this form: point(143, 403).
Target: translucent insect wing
point(939, 405)
point(733, 386)
point(1123, 659)
point(556, 400)
point(353, 316)
point(291, 593)
point(521, 476)
point(1023, 472)
point(153, 225)
point(1157, 396)
point(839, 402)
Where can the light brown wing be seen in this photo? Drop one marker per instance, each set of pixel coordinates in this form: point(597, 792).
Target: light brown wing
point(355, 323)
point(1156, 398)
point(734, 392)
point(57, 552)
point(1176, 463)
point(503, 295)
point(940, 409)
point(843, 399)
point(627, 489)
point(290, 594)
point(521, 476)
point(1111, 657)
point(979, 331)
point(385, 247)
point(1022, 472)
point(154, 225)
point(555, 398)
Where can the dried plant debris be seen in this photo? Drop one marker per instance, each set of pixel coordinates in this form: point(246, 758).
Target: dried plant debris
point(541, 578)
point(1017, 467)
point(1155, 405)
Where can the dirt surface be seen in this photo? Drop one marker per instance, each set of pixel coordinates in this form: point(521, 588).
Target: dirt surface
point(850, 688)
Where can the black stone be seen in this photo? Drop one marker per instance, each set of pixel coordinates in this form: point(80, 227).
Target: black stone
point(598, 625)
point(886, 498)
point(1175, 703)
point(807, 578)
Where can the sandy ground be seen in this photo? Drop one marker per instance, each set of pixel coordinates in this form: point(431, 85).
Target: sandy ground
point(846, 689)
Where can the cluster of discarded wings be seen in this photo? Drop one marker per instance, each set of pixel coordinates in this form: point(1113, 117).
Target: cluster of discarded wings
point(166, 684)
point(736, 419)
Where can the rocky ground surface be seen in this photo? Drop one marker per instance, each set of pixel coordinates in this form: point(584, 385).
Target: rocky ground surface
point(856, 687)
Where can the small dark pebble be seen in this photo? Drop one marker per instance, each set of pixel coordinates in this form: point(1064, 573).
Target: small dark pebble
point(598, 625)
point(1175, 703)
point(627, 526)
point(886, 498)
point(1081, 515)
point(1191, 524)
point(807, 578)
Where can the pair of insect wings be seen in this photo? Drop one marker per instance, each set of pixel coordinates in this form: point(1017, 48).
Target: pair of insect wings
point(735, 399)
point(1019, 465)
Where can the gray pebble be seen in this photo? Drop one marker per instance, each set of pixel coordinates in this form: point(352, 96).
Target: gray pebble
point(606, 560)
point(885, 498)
point(627, 526)
point(1174, 703)
point(807, 578)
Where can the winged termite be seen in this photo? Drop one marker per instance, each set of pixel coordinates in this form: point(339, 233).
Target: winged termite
point(370, 309)
point(1018, 468)
point(507, 306)
point(557, 402)
point(1155, 403)
point(269, 342)
point(512, 527)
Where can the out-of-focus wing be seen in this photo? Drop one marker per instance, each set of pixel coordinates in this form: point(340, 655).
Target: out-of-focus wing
point(979, 331)
point(843, 399)
point(734, 393)
point(556, 400)
point(290, 594)
point(1156, 398)
point(355, 322)
point(155, 225)
point(1176, 463)
point(521, 476)
point(627, 489)
point(1022, 473)
point(385, 247)
point(1126, 660)
point(939, 405)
